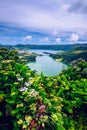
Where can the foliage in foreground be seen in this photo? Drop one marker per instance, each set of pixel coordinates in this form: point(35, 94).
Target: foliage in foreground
point(34, 102)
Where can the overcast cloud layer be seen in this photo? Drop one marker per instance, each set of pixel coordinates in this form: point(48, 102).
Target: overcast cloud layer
point(43, 22)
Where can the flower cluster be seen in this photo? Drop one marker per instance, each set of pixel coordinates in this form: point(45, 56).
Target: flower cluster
point(23, 89)
point(33, 93)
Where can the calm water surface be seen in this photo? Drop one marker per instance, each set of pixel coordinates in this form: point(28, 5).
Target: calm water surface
point(46, 64)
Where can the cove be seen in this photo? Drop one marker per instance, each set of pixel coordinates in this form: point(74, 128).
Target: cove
point(47, 65)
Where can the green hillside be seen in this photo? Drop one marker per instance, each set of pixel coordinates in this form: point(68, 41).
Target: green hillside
point(47, 47)
point(69, 56)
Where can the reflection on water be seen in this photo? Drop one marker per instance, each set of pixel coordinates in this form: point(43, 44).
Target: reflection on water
point(46, 65)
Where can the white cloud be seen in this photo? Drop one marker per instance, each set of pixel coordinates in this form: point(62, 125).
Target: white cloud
point(14, 41)
point(55, 32)
point(42, 15)
point(64, 7)
point(78, 6)
point(58, 40)
point(46, 39)
point(74, 37)
point(27, 38)
point(47, 16)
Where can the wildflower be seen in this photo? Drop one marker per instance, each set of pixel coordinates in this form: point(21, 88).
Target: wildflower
point(24, 126)
point(28, 118)
point(33, 93)
point(42, 107)
point(20, 122)
point(20, 105)
point(30, 78)
point(54, 117)
point(23, 89)
point(20, 78)
point(43, 118)
point(27, 84)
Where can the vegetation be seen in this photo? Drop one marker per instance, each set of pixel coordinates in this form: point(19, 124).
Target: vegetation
point(20, 56)
point(25, 56)
point(47, 47)
point(34, 102)
point(69, 56)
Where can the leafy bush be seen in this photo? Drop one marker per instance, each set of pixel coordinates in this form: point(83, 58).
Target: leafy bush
point(29, 101)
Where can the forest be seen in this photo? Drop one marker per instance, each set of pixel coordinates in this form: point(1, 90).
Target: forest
point(64, 47)
point(69, 56)
point(29, 101)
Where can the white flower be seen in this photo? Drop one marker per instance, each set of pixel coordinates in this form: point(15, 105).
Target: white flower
point(20, 78)
point(30, 78)
point(23, 89)
point(27, 84)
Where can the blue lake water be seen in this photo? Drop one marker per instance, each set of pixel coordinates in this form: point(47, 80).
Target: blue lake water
point(46, 64)
point(42, 51)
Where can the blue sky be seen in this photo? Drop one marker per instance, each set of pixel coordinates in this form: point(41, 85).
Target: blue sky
point(43, 22)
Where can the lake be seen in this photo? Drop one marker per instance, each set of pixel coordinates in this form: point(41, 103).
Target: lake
point(46, 64)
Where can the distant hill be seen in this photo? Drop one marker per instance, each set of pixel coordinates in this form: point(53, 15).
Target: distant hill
point(47, 47)
point(71, 55)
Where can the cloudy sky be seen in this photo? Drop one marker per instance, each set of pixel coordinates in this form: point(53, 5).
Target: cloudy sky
point(43, 21)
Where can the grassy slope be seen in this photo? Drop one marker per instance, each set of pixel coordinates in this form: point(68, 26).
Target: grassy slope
point(74, 55)
point(69, 56)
